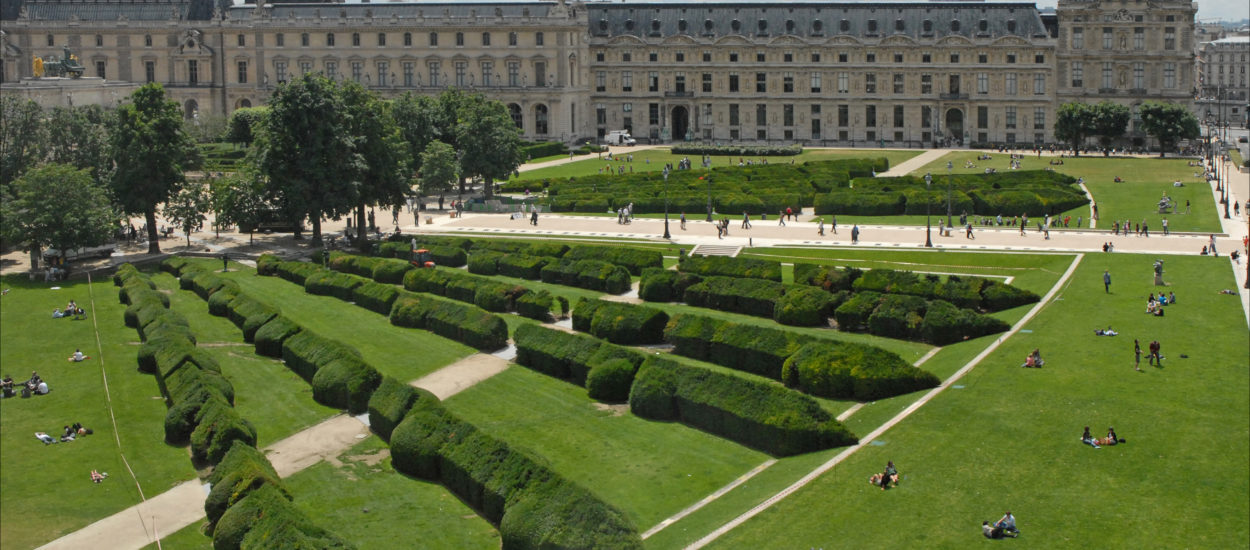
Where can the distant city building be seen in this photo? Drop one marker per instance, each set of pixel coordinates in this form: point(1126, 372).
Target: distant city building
point(902, 74)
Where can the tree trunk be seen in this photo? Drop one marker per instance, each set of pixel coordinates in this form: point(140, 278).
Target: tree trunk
point(489, 188)
point(154, 243)
point(462, 180)
point(316, 228)
point(36, 256)
point(362, 235)
point(188, 240)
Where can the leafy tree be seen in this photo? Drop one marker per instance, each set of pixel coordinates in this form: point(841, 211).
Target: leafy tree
point(1168, 123)
point(418, 119)
point(187, 208)
point(489, 141)
point(1110, 122)
point(305, 153)
point(23, 135)
point(239, 199)
point(79, 136)
point(58, 206)
point(150, 150)
point(1073, 123)
point(241, 126)
point(206, 128)
point(382, 173)
point(439, 168)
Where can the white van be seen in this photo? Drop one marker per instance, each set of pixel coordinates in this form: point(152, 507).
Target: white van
point(619, 137)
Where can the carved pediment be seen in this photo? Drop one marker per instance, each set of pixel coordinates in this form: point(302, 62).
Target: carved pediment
point(192, 44)
point(787, 39)
point(954, 40)
point(679, 39)
point(1010, 41)
point(898, 40)
point(625, 40)
point(844, 40)
point(733, 40)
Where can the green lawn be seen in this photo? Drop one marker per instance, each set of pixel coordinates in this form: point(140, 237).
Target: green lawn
point(650, 470)
point(404, 353)
point(1007, 438)
point(47, 491)
point(270, 396)
point(661, 156)
point(1145, 180)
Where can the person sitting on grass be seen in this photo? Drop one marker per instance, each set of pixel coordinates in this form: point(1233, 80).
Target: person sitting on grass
point(1111, 438)
point(990, 531)
point(56, 313)
point(891, 473)
point(78, 357)
point(1033, 360)
point(1008, 524)
point(1088, 439)
point(97, 477)
point(6, 386)
point(68, 434)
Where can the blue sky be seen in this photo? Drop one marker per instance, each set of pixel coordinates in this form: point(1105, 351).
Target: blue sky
point(1228, 10)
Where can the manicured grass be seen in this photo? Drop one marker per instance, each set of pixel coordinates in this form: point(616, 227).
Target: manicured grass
point(270, 396)
point(47, 491)
point(361, 498)
point(404, 353)
point(190, 537)
point(650, 470)
point(1008, 439)
point(660, 156)
point(1134, 199)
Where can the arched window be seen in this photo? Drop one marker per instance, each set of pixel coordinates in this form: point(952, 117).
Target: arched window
point(540, 119)
point(514, 111)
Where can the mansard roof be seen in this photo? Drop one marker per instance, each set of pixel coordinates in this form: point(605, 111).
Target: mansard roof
point(483, 11)
point(111, 10)
point(864, 20)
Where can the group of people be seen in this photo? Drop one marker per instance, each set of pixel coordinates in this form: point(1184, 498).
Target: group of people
point(69, 433)
point(1154, 305)
point(1111, 439)
point(1033, 360)
point(886, 478)
point(71, 310)
point(33, 385)
point(1004, 527)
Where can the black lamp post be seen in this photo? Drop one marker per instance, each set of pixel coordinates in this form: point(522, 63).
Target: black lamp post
point(1226, 197)
point(928, 227)
point(949, 166)
point(667, 235)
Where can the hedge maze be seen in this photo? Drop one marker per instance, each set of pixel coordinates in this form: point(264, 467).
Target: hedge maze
point(1033, 193)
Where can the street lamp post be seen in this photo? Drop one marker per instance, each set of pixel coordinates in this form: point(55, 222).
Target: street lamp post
point(1227, 198)
point(928, 226)
point(667, 235)
point(949, 166)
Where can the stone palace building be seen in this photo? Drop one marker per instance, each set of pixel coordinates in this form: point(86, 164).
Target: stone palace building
point(903, 74)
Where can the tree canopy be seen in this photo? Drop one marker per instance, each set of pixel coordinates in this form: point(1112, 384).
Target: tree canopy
point(381, 176)
point(187, 208)
point(23, 135)
point(1073, 123)
point(242, 125)
point(239, 199)
point(439, 168)
point(58, 206)
point(489, 141)
point(1169, 123)
point(1110, 121)
point(150, 150)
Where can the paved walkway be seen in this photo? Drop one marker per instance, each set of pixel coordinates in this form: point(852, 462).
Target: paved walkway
point(915, 163)
point(461, 375)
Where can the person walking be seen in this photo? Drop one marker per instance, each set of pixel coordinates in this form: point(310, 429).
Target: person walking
point(968, 232)
point(1212, 247)
point(781, 218)
point(820, 227)
point(1136, 355)
point(1186, 206)
point(855, 234)
point(833, 224)
point(683, 221)
point(534, 217)
point(1106, 281)
point(746, 220)
point(1165, 227)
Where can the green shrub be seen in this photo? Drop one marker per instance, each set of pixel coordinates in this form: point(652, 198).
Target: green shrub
point(242, 470)
point(375, 297)
point(267, 264)
point(898, 316)
point(390, 271)
point(996, 296)
point(771, 418)
point(633, 259)
point(803, 307)
point(559, 514)
point(846, 370)
point(219, 302)
point(433, 281)
point(732, 267)
point(521, 266)
point(739, 150)
point(611, 380)
point(853, 313)
point(124, 272)
point(417, 439)
point(564, 355)
point(174, 265)
point(255, 320)
point(156, 350)
point(535, 305)
point(180, 419)
point(205, 283)
point(484, 262)
point(345, 383)
point(296, 272)
point(946, 324)
point(740, 295)
point(588, 274)
point(306, 352)
point(244, 306)
point(656, 285)
point(270, 336)
point(218, 426)
point(356, 265)
point(829, 278)
point(390, 402)
point(626, 324)
point(466, 324)
point(330, 283)
point(265, 504)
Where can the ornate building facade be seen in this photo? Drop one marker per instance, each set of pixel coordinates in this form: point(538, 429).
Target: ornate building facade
point(890, 73)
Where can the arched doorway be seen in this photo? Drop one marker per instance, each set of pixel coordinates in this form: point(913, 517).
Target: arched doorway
point(243, 104)
point(514, 110)
point(681, 123)
point(190, 109)
point(955, 125)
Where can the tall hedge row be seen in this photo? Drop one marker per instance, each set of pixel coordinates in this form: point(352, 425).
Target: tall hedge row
point(847, 370)
point(588, 274)
point(914, 318)
point(1035, 193)
point(467, 324)
point(620, 323)
point(534, 506)
point(266, 518)
point(748, 348)
point(580, 359)
point(731, 267)
point(390, 403)
point(765, 416)
point(633, 259)
point(483, 292)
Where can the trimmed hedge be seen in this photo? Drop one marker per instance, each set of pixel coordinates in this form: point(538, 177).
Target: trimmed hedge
point(331, 283)
point(898, 316)
point(764, 416)
point(588, 274)
point(356, 265)
point(856, 371)
point(522, 266)
point(218, 426)
point(853, 313)
point(571, 357)
point(829, 278)
point(266, 518)
point(242, 470)
point(611, 380)
point(390, 271)
point(375, 297)
point(732, 267)
point(740, 295)
point(469, 325)
point(665, 285)
point(296, 272)
point(267, 264)
point(739, 150)
point(534, 506)
point(390, 402)
point(483, 292)
point(270, 336)
point(484, 262)
point(346, 382)
point(803, 306)
point(633, 259)
point(748, 348)
point(620, 323)
point(306, 352)
point(946, 324)
point(536, 305)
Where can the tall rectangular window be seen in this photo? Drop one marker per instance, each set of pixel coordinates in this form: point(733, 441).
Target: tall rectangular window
point(1078, 38)
point(1011, 118)
point(435, 69)
point(707, 82)
point(1139, 76)
point(330, 39)
point(844, 116)
point(1039, 118)
point(280, 39)
point(538, 39)
point(149, 71)
point(844, 83)
point(898, 116)
point(870, 116)
point(815, 121)
point(601, 81)
point(384, 70)
point(241, 40)
point(983, 117)
point(627, 81)
point(653, 81)
point(601, 115)
point(679, 82)
point(242, 76)
point(1013, 87)
point(514, 74)
point(761, 114)
point(355, 39)
point(279, 68)
point(512, 42)
point(409, 70)
point(1106, 38)
point(870, 83)
point(926, 84)
point(1107, 78)
point(485, 39)
point(926, 116)
point(358, 71)
point(734, 117)
point(408, 39)
point(653, 114)
point(540, 73)
point(1139, 38)
point(99, 69)
point(462, 73)
point(488, 74)
point(983, 83)
point(459, 39)
point(1169, 75)
point(815, 83)
point(193, 71)
point(787, 115)
point(1169, 38)
point(733, 82)
point(1039, 84)
point(1078, 74)
point(381, 39)
point(305, 67)
point(898, 83)
point(787, 83)
point(332, 70)
point(761, 83)
point(304, 40)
